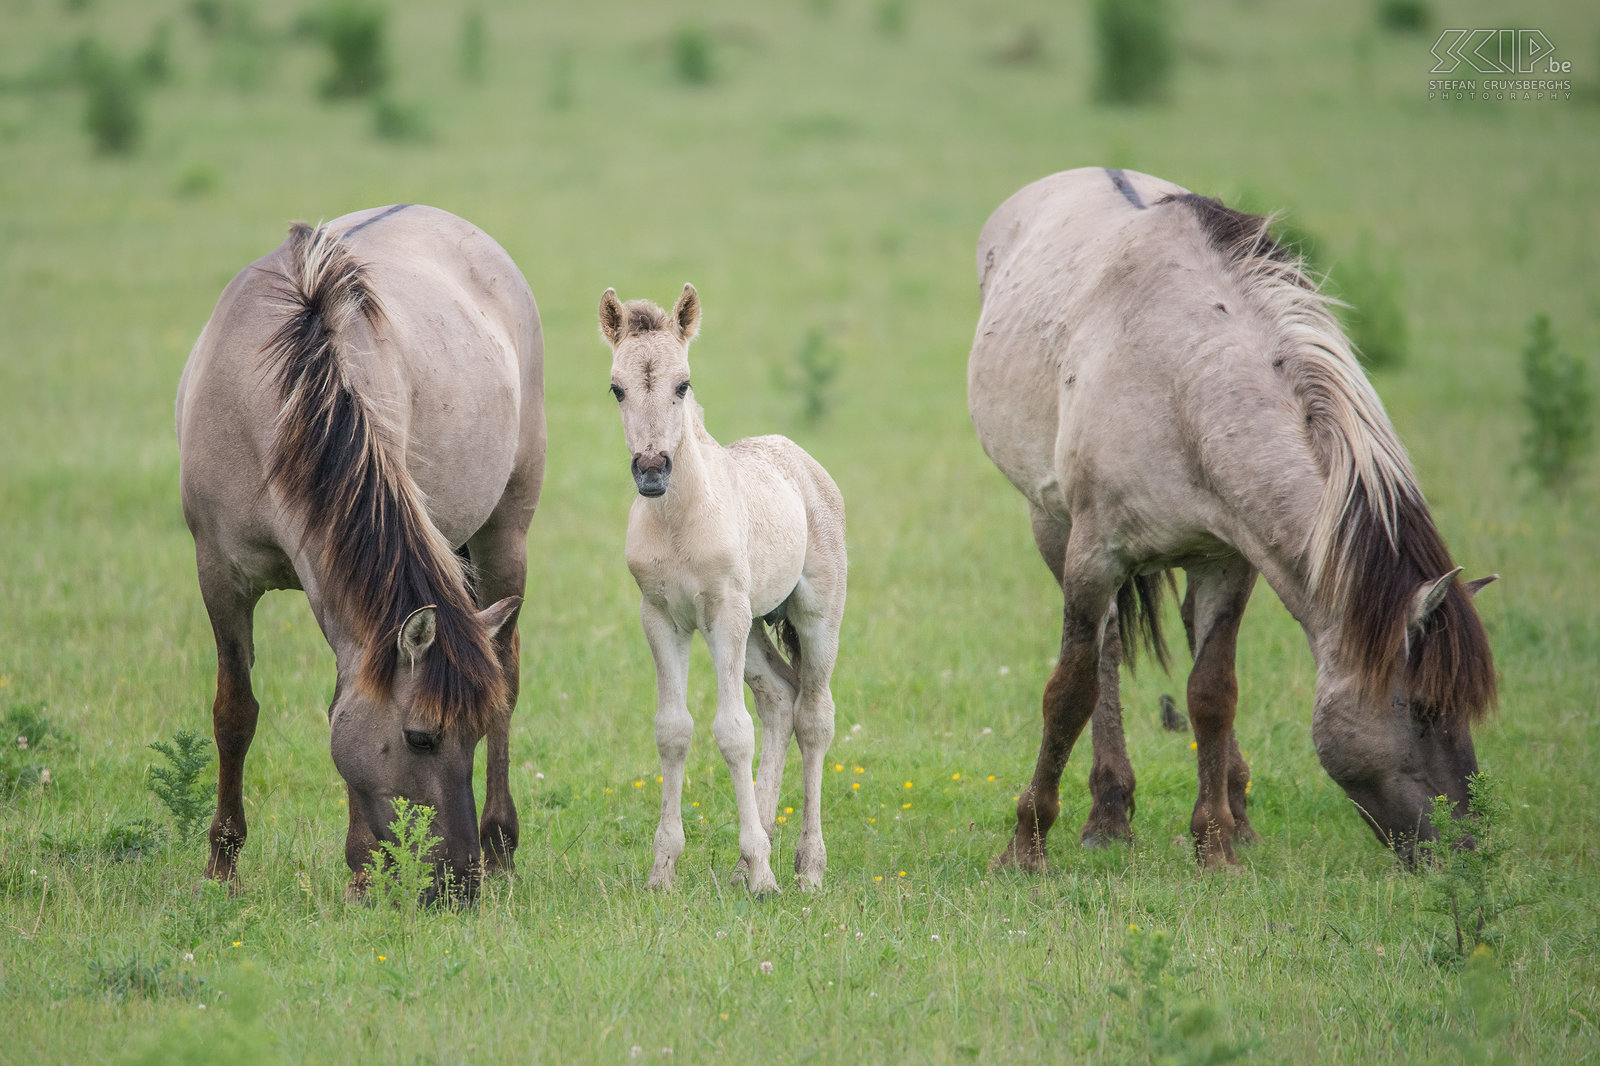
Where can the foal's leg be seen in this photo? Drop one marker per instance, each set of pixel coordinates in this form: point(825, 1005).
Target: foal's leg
point(1069, 697)
point(498, 553)
point(727, 629)
point(1111, 774)
point(772, 681)
point(674, 729)
point(819, 648)
point(234, 712)
point(1219, 594)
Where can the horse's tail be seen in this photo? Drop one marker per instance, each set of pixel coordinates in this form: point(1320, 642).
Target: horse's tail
point(336, 461)
point(1139, 615)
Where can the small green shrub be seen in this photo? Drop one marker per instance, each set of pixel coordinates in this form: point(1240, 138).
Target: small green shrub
point(691, 56)
point(355, 32)
point(1134, 50)
point(1560, 406)
point(560, 91)
point(178, 786)
point(399, 871)
point(1463, 864)
point(892, 18)
point(122, 841)
point(197, 179)
point(1168, 1026)
point(1374, 320)
point(154, 64)
point(1404, 16)
point(113, 95)
point(474, 46)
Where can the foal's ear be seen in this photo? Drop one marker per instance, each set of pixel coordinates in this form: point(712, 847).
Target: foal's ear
point(610, 317)
point(497, 614)
point(1427, 598)
point(686, 314)
point(416, 634)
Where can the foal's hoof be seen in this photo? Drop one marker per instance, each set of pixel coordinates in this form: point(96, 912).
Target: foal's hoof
point(663, 878)
point(760, 882)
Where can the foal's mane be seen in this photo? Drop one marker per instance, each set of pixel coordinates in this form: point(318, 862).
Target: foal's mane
point(1373, 542)
point(340, 466)
point(642, 316)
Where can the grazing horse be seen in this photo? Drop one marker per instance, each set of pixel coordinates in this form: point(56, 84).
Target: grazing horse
point(728, 541)
point(1167, 388)
point(363, 419)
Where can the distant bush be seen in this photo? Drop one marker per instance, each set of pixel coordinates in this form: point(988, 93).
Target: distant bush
point(1560, 406)
point(355, 34)
point(1021, 46)
point(398, 120)
point(1404, 16)
point(1134, 50)
point(113, 98)
point(691, 56)
point(154, 64)
point(560, 92)
point(1374, 319)
point(810, 380)
point(892, 18)
point(474, 45)
point(197, 179)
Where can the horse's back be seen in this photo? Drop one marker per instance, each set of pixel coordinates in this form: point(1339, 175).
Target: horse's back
point(452, 365)
point(796, 516)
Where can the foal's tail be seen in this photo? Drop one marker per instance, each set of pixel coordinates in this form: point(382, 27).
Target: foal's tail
point(787, 660)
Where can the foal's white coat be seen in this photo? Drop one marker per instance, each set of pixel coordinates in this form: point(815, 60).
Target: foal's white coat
point(724, 540)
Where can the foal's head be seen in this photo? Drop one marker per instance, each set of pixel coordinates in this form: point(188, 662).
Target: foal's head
point(650, 378)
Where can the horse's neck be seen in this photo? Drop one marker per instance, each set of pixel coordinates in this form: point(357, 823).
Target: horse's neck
point(696, 470)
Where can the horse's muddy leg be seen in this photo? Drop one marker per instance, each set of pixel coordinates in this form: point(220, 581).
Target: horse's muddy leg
point(1111, 775)
point(498, 553)
point(234, 711)
point(773, 684)
point(669, 645)
point(727, 630)
point(1219, 595)
point(1069, 696)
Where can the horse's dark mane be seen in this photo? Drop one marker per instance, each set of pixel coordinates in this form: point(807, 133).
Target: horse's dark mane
point(1374, 544)
point(337, 464)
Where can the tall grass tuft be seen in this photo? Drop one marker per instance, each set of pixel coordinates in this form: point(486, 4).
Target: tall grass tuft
point(1560, 406)
point(474, 46)
point(399, 120)
point(1134, 50)
point(811, 378)
point(355, 33)
point(893, 15)
point(1404, 16)
point(691, 55)
point(113, 99)
point(559, 93)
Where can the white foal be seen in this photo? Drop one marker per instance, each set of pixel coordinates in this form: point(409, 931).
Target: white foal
point(725, 540)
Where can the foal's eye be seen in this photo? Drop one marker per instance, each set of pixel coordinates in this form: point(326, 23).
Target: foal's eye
point(421, 741)
point(683, 389)
point(616, 390)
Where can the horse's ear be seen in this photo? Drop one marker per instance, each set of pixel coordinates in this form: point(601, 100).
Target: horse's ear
point(610, 317)
point(417, 633)
point(497, 614)
point(1475, 587)
point(686, 314)
point(1427, 598)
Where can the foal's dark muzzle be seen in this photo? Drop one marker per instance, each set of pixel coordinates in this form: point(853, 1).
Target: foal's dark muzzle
point(650, 475)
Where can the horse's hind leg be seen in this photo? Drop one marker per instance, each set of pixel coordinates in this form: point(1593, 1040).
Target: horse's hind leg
point(816, 616)
point(498, 553)
point(1218, 596)
point(231, 607)
point(774, 685)
point(1111, 775)
point(1089, 581)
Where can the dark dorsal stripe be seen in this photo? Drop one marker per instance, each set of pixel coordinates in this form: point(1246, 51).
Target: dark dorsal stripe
point(358, 227)
point(1125, 187)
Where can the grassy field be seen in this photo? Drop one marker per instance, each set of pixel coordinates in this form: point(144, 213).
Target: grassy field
point(832, 175)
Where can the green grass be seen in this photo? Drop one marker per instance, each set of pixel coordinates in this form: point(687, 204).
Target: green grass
point(831, 179)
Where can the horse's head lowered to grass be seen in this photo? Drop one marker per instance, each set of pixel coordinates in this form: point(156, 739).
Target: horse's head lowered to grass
point(650, 379)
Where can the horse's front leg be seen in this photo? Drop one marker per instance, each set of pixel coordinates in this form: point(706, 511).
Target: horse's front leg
point(1219, 594)
point(1089, 580)
point(727, 631)
point(498, 554)
point(234, 711)
point(669, 645)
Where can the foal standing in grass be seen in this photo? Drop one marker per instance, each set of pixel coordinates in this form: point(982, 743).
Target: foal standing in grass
point(727, 541)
